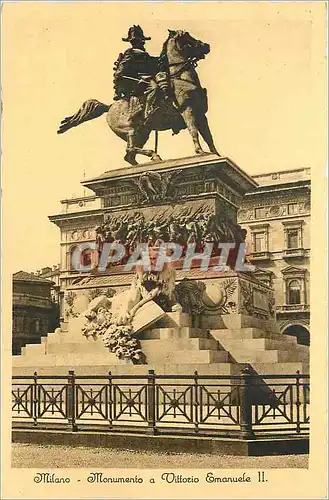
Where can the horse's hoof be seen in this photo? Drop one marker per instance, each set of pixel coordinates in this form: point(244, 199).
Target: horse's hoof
point(156, 158)
point(130, 159)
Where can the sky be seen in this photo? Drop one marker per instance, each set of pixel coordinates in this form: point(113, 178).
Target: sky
point(265, 77)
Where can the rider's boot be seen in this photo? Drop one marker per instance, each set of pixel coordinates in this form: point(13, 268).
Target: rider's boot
point(161, 79)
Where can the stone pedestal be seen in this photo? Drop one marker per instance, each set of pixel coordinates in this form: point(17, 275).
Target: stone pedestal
point(235, 328)
point(194, 183)
point(228, 319)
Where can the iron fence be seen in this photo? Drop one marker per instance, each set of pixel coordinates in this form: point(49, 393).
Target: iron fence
point(244, 405)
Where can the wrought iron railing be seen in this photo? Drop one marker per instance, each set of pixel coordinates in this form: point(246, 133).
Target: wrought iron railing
point(244, 405)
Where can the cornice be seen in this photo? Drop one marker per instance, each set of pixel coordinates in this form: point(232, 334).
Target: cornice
point(280, 188)
point(60, 219)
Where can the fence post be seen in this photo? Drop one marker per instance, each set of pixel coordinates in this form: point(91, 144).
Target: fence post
point(70, 401)
point(246, 431)
point(196, 404)
point(110, 402)
point(35, 399)
point(150, 402)
point(298, 402)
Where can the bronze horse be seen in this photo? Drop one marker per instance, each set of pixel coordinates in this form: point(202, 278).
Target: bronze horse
point(187, 108)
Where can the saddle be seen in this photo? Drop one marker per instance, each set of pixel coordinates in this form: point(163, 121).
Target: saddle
point(155, 106)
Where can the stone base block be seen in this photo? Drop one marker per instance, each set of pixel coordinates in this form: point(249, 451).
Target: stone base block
point(163, 443)
point(184, 332)
point(122, 369)
point(174, 320)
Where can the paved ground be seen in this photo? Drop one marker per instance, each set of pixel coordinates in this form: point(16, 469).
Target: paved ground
point(37, 456)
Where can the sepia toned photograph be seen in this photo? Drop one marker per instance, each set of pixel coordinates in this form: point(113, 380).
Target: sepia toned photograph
point(164, 249)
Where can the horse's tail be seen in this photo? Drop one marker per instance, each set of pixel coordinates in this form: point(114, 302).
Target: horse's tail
point(89, 110)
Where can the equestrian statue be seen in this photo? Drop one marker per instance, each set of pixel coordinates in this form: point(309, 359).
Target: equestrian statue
point(153, 93)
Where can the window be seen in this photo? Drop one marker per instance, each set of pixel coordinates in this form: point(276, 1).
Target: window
point(294, 292)
point(293, 208)
point(295, 285)
point(259, 238)
point(260, 213)
point(293, 234)
point(259, 242)
point(34, 326)
point(293, 238)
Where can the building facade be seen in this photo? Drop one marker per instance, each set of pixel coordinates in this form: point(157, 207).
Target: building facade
point(277, 219)
point(34, 312)
point(52, 274)
point(276, 216)
point(77, 221)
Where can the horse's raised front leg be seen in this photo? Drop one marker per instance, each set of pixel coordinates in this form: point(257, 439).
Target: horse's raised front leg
point(192, 126)
point(135, 144)
point(204, 130)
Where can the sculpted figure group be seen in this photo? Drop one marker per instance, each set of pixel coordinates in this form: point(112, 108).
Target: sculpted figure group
point(113, 318)
point(197, 229)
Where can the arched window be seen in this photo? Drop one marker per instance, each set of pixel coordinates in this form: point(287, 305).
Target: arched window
point(80, 258)
point(300, 332)
point(294, 292)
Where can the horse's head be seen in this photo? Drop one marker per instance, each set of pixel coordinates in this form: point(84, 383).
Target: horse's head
point(186, 45)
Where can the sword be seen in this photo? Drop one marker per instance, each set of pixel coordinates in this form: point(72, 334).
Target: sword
point(135, 79)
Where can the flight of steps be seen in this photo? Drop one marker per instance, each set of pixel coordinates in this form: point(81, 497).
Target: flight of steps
point(171, 346)
point(266, 351)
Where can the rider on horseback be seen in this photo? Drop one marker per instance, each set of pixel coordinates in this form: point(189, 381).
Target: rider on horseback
point(153, 94)
point(134, 69)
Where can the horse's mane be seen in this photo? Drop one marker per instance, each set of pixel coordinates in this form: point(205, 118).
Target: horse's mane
point(163, 58)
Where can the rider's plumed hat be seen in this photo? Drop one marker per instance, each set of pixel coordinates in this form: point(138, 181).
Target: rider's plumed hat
point(135, 32)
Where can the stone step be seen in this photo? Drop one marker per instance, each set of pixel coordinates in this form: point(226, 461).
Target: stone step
point(188, 344)
point(261, 344)
point(272, 356)
point(60, 337)
point(33, 350)
point(161, 355)
point(88, 346)
point(251, 333)
point(285, 368)
point(190, 368)
point(71, 360)
point(247, 345)
point(237, 321)
point(97, 346)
